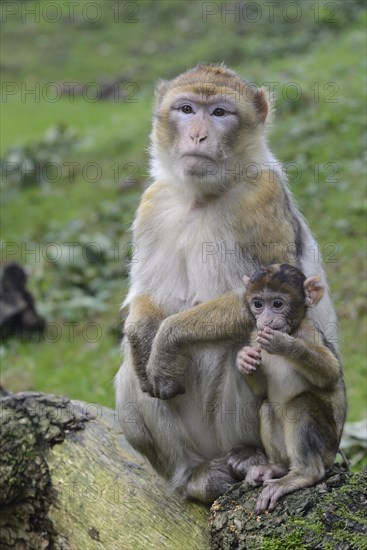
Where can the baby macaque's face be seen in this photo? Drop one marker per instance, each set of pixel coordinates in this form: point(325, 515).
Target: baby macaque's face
point(279, 295)
point(270, 310)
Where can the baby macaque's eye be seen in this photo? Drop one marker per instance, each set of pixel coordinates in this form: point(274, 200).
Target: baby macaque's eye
point(258, 304)
point(277, 304)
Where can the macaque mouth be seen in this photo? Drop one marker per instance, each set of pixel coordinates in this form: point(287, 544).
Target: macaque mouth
point(281, 327)
point(198, 155)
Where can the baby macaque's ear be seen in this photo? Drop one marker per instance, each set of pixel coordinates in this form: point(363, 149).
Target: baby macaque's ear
point(314, 290)
point(245, 280)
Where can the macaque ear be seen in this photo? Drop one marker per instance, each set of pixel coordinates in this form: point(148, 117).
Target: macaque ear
point(245, 280)
point(261, 103)
point(264, 103)
point(314, 290)
point(160, 91)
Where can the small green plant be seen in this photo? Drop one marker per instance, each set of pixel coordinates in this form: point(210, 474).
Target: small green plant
point(40, 161)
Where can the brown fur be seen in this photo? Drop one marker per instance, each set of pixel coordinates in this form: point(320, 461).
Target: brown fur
point(218, 207)
point(300, 381)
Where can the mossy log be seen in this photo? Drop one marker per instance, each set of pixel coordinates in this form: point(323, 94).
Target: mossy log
point(328, 516)
point(70, 481)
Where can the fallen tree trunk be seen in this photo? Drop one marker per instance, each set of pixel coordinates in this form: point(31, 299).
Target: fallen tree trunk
point(70, 481)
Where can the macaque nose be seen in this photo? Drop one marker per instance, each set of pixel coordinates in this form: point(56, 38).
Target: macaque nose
point(199, 138)
point(198, 130)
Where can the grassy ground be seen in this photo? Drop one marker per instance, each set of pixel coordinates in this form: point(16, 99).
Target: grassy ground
point(316, 66)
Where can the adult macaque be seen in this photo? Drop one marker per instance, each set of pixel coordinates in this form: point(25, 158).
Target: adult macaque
point(218, 208)
point(299, 379)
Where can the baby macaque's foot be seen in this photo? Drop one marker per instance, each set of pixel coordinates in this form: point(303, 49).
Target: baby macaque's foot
point(262, 473)
point(259, 473)
point(248, 359)
point(268, 498)
point(242, 458)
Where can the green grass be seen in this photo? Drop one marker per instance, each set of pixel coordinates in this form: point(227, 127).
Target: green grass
point(78, 360)
point(107, 127)
point(320, 136)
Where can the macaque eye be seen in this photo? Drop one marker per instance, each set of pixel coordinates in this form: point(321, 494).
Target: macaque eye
point(258, 304)
point(219, 111)
point(277, 304)
point(187, 109)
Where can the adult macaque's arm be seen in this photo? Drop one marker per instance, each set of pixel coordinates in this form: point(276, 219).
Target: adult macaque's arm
point(221, 320)
point(141, 327)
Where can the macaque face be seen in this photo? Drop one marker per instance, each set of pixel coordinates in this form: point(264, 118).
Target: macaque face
point(207, 125)
point(203, 135)
point(271, 310)
point(279, 295)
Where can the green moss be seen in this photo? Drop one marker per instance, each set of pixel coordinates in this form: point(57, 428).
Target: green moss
point(291, 541)
point(329, 515)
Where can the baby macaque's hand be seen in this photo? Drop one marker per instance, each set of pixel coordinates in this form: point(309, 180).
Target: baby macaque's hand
point(248, 359)
point(273, 341)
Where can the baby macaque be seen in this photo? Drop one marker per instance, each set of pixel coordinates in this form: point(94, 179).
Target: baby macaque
point(299, 376)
